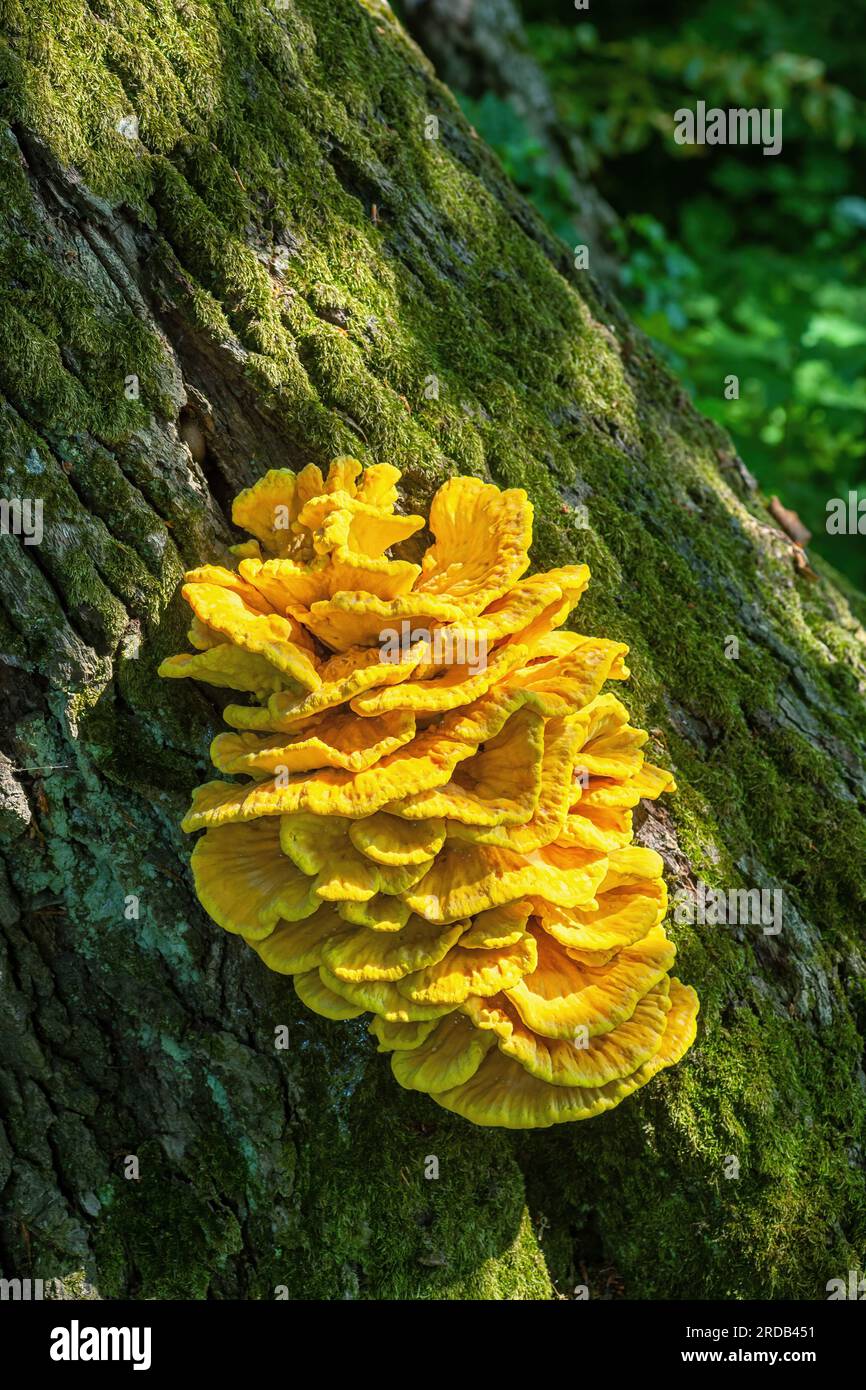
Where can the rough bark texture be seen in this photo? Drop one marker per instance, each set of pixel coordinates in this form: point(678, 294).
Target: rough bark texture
point(480, 46)
point(236, 203)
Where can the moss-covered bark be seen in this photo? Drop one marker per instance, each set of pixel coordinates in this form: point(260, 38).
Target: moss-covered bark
point(480, 49)
point(237, 203)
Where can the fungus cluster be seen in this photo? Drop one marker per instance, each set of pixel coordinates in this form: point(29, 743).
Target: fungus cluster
point(445, 845)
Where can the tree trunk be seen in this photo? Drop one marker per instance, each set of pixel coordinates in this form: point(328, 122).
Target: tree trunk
point(229, 244)
point(479, 48)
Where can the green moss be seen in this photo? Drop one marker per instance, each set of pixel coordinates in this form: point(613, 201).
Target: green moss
point(161, 1238)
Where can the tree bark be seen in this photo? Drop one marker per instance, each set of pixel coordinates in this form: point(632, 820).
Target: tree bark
point(229, 244)
point(479, 47)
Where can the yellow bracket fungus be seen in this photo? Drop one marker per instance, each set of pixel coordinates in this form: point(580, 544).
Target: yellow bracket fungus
point(443, 844)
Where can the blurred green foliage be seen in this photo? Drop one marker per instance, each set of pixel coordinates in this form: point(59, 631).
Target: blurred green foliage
point(733, 262)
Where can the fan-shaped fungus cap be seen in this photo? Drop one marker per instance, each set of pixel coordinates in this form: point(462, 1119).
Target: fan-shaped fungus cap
point(437, 834)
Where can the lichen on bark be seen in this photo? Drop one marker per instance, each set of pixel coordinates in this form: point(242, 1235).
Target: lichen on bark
point(237, 205)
